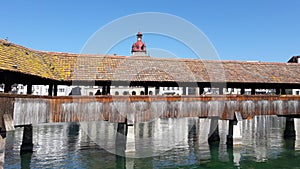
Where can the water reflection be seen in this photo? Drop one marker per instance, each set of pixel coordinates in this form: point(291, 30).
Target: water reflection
point(174, 142)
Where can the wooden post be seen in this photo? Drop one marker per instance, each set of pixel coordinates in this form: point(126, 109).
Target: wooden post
point(242, 90)
point(229, 141)
point(27, 145)
point(283, 91)
point(184, 90)
point(104, 90)
point(50, 90)
point(277, 91)
point(156, 90)
point(108, 89)
point(55, 90)
point(29, 88)
point(7, 87)
point(213, 135)
point(221, 91)
point(289, 132)
point(146, 90)
point(201, 90)
point(252, 91)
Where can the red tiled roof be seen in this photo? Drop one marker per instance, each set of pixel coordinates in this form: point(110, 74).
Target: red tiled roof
point(69, 67)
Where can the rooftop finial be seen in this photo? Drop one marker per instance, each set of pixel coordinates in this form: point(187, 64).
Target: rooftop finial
point(139, 47)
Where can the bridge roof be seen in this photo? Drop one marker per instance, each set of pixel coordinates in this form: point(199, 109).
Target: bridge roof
point(84, 67)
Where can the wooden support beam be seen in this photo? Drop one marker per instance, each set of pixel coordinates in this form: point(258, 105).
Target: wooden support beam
point(55, 90)
point(242, 90)
point(221, 91)
point(252, 91)
point(156, 90)
point(146, 90)
point(283, 91)
point(201, 90)
point(50, 90)
point(277, 91)
point(7, 87)
point(29, 88)
point(108, 89)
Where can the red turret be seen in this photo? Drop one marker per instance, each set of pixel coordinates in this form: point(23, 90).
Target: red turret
point(139, 47)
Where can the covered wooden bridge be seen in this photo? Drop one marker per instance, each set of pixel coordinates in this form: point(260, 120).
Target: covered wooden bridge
point(21, 65)
point(30, 67)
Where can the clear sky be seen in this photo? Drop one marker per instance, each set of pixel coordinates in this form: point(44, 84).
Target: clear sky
point(264, 30)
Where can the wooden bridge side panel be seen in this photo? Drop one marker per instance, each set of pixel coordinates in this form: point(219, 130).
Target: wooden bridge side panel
point(6, 107)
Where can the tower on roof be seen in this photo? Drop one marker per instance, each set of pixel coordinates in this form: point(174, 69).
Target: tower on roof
point(139, 47)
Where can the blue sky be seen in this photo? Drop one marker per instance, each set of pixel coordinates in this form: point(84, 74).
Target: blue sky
point(265, 30)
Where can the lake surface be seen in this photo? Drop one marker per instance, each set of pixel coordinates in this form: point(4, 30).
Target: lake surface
point(163, 143)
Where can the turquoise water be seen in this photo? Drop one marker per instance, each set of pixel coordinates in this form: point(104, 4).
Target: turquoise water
point(174, 143)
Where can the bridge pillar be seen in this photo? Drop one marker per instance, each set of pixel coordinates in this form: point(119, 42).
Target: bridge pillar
point(130, 139)
point(27, 145)
point(121, 138)
point(289, 132)
point(229, 140)
point(213, 135)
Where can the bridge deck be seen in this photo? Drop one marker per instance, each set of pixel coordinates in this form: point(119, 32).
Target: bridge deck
point(29, 109)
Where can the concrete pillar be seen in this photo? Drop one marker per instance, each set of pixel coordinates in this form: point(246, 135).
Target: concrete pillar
point(50, 90)
point(27, 145)
point(213, 135)
point(242, 91)
point(55, 90)
point(130, 142)
point(289, 132)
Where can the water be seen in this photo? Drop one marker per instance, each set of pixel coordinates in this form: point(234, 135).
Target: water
point(176, 143)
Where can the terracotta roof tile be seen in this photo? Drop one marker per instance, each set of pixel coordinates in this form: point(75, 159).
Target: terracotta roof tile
point(68, 67)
